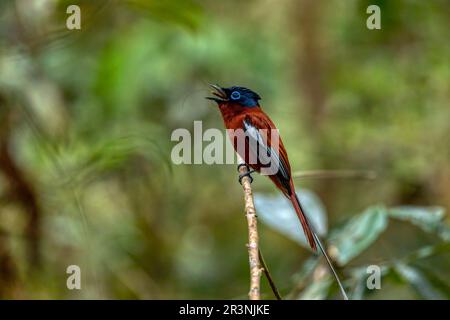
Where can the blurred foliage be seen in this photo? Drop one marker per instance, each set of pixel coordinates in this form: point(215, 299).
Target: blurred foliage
point(86, 118)
point(352, 238)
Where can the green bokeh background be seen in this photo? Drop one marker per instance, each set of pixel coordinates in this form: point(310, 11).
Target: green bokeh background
point(86, 118)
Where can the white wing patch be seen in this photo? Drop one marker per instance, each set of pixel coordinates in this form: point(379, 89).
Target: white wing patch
point(263, 153)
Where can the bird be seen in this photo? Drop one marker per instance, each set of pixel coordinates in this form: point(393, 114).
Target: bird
point(255, 138)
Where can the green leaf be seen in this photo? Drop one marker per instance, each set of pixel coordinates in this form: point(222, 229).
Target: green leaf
point(277, 212)
point(358, 234)
point(300, 278)
point(317, 289)
point(429, 251)
point(418, 280)
point(359, 278)
point(306, 270)
point(429, 219)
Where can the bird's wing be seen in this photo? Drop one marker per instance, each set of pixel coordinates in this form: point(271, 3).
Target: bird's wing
point(261, 148)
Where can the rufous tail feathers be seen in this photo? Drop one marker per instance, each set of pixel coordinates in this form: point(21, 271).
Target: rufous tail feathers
point(304, 221)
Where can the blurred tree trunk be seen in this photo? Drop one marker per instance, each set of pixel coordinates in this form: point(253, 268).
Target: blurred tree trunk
point(19, 189)
point(311, 74)
point(8, 275)
point(308, 20)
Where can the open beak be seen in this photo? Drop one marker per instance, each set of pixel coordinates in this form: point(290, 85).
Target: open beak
point(220, 94)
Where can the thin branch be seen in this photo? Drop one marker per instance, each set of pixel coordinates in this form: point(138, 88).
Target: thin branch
point(269, 276)
point(336, 174)
point(253, 238)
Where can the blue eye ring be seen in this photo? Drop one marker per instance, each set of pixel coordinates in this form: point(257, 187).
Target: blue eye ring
point(235, 95)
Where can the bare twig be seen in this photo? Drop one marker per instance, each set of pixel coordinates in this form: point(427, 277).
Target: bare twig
point(269, 276)
point(333, 174)
point(253, 238)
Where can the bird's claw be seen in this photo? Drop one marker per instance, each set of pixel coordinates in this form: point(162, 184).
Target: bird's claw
point(247, 174)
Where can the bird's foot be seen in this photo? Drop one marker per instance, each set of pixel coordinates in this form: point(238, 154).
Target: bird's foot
point(247, 174)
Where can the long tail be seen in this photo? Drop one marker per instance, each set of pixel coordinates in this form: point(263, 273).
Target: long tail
point(304, 221)
point(313, 238)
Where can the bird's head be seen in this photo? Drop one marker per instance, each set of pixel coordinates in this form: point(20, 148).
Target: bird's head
point(234, 95)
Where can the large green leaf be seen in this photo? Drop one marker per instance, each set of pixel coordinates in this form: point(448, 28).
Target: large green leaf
point(300, 278)
point(277, 212)
point(359, 277)
point(317, 289)
point(358, 234)
point(418, 280)
point(430, 219)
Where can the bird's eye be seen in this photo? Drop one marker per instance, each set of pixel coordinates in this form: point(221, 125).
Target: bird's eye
point(235, 95)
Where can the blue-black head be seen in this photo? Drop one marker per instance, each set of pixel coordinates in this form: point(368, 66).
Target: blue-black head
point(240, 95)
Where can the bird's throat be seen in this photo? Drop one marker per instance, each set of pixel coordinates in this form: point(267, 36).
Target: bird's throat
point(232, 111)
